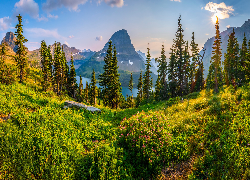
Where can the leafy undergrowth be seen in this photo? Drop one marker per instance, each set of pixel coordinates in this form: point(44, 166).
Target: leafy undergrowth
point(42, 140)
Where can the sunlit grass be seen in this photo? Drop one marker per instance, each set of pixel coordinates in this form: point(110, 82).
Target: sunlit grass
point(42, 140)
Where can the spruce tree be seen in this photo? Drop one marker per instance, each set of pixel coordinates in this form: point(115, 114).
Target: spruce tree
point(158, 88)
point(21, 54)
point(186, 70)
point(106, 75)
point(194, 62)
point(93, 89)
point(243, 60)
point(72, 79)
point(114, 85)
point(162, 75)
point(80, 94)
point(179, 45)
point(215, 71)
point(140, 91)
point(45, 61)
point(57, 68)
point(86, 92)
point(130, 99)
point(172, 75)
point(147, 80)
point(231, 66)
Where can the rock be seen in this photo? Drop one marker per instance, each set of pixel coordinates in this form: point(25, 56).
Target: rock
point(80, 105)
point(10, 39)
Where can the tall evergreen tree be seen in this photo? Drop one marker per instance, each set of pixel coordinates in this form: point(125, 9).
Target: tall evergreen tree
point(199, 74)
point(243, 61)
point(162, 75)
point(172, 75)
point(45, 61)
point(115, 84)
point(93, 89)
point(21, 54)
point(72, 79)
point(86, 92)
point(231, 59)
point(179, 45)
point(158, 88)
point(80, 94)
point(106, 75)
point(57, 68)
point(215, 71)
point(194, 62)
point(140, 91)
point(186, 70)
point(147, 80)
point(130, 99)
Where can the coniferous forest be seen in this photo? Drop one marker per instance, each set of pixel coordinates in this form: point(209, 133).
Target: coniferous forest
point(190, 127)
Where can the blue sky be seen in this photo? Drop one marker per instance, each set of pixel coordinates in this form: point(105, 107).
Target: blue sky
point(88, 24)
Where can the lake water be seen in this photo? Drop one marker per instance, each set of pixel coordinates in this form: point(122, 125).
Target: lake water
point(125, 90)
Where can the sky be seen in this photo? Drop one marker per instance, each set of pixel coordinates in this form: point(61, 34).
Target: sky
point(89, 24)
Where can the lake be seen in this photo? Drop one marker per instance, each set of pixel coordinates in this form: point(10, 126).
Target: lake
point(125, 90)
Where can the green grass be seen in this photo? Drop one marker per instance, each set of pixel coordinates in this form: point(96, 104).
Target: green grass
point(44, 141)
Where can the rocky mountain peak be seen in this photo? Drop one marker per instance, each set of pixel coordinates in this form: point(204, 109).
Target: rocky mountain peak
point(10, 39)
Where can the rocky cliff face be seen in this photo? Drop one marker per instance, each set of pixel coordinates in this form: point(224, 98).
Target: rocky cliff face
point(10, 39)
point(128, 58)
point(239, 34)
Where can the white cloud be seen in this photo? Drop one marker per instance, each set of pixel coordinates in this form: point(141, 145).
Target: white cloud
point(71, 36)
point(228, 26)
point(220, 10)
point(42, 18)
point(207, 34)
point(27, 7)
point(112, 3)
point(99, 38)
point(52, 16)
point(39, 32)
point(5, 23)
point(49, 5)
point(70, 4)
point(176, 0)
point(65, 42)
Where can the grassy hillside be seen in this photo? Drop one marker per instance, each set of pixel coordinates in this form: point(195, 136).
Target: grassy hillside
point(203, 136)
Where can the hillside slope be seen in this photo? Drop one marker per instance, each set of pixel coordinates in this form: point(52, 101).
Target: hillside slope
point(211, 132)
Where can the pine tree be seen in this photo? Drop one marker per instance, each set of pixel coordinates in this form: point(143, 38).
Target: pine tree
point(72, 79)
point(106, 75)
point(80, 90)
point(179, 45)
point(162, 75)
point(130, 98)
point(186, 70)
point(115, 84)
point(140, 92)
point(45, 61)
point(231, 59)
point(147, 80)
point(172, 75)
point(158, 88)
point(86, 92)
point(21, 53)
point(199, 74)
point(215, 70)
point(243, 62)
point(93, 89)
point(194, 57)
point(57, 68)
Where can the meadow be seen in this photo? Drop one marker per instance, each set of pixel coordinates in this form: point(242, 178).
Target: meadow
point(42, 140)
